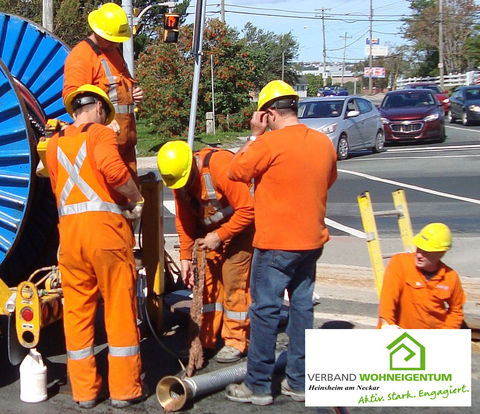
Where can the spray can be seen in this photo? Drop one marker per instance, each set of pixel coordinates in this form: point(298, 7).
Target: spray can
point(33, 378)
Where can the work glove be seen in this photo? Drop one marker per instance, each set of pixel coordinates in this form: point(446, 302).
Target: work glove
point(134, 210)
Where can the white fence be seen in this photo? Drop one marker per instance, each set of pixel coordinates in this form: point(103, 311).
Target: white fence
point(468, 78)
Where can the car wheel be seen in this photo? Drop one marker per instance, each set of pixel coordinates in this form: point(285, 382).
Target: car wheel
point(451, 118)
point(442, 137)
point(465, 120)
point(343, 149)
point(379, 142)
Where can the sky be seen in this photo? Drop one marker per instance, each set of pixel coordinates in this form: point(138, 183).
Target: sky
point(348, 18)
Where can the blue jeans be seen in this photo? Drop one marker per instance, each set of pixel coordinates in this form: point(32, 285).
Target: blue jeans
point(272, 272)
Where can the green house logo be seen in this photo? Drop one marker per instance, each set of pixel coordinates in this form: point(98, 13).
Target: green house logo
point(406, 353)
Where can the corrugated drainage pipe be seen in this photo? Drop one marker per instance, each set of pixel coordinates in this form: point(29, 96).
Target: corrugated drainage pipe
point(173, 392)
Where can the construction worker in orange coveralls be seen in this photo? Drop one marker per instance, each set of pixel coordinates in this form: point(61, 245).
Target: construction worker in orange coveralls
point(219, 213)
point(96, 196)
point(419, 291)
point(97, 60)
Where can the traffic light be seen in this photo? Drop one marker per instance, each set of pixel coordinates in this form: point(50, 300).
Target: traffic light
point(171, 22)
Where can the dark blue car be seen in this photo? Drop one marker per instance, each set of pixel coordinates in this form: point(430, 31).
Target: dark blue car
point(332, 91)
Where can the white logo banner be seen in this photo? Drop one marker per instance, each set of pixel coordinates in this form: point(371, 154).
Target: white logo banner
point(388, 367)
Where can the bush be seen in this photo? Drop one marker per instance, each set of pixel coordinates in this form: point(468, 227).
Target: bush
point(236, 122)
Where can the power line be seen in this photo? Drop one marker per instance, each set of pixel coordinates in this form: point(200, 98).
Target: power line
point(302, 12)
point(313, 18)
point(350, 44)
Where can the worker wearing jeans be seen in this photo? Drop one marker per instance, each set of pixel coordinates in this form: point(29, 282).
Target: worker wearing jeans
point(275, 271)
point(293, 167)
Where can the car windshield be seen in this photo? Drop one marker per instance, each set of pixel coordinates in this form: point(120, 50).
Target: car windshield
point(433, 88)
point(472, 93)
point(320, 109)
point(408, 100)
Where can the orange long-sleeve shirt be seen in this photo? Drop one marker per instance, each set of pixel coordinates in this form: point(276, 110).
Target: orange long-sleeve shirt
point(411, 301)
point(109, 167)
point(83, 66)
point(293, 168)
point(235, 194)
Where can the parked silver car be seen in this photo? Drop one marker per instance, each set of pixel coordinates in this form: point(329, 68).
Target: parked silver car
point(351, 122)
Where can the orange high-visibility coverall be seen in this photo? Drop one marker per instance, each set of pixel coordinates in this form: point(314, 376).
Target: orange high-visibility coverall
point(227, 275)
point(411, 301)
point(96, 255)
point(86, 63)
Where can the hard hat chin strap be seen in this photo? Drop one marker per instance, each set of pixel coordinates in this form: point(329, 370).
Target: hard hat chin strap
point(84, 100)
point(284, 104)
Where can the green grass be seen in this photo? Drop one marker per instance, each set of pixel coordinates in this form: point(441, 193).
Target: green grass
point(149, 141)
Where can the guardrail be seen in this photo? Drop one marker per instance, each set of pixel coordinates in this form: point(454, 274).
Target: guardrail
point(468, 78)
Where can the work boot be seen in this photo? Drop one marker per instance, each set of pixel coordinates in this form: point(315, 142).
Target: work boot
point(126, 403)
point(132, 401)
point(241, 393)
point(92, 403)
point(88, 404)
point(296, 395)
point(228, 354)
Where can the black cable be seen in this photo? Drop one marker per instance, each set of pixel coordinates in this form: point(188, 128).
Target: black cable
point(162, 345)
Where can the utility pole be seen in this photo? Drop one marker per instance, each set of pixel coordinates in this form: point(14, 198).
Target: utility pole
point(324, 45)
point(283, 65)
point(222, 11)
point(198, 28)
point(47, 15)
point(345, 37)
point(440, 44)
point(370, 59)
point(127, 6)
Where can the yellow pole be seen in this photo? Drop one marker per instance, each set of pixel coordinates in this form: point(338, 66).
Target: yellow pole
point(404, 222)
point(153, 246)
point(373, 242)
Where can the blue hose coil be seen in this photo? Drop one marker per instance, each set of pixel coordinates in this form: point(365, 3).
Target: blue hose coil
point(31, 64)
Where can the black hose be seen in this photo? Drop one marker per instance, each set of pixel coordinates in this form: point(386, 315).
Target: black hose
point(162, 345)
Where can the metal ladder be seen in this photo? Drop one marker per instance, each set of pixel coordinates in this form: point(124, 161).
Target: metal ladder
point(370, 227)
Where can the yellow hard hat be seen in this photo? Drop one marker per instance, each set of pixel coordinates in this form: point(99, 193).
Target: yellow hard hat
point(434, 237)
point(174, 160)
point(89, 90)
point(276, 90)
point(110, 22)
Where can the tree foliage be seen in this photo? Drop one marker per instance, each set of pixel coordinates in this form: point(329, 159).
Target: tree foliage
point(166, 72)
point(269, 50)
point(314, 83)
point(472, 48)
point(70, 20)
point(31, 10)
point(422, 30)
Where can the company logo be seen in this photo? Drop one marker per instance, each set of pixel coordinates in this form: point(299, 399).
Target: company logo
point(406, 353)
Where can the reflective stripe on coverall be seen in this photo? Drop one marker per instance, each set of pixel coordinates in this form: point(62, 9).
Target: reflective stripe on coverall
point(117, 82)
point(99, 260)
point(226, 295)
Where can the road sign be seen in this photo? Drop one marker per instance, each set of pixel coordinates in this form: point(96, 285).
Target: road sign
point(376, 50)
point(376, 72)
